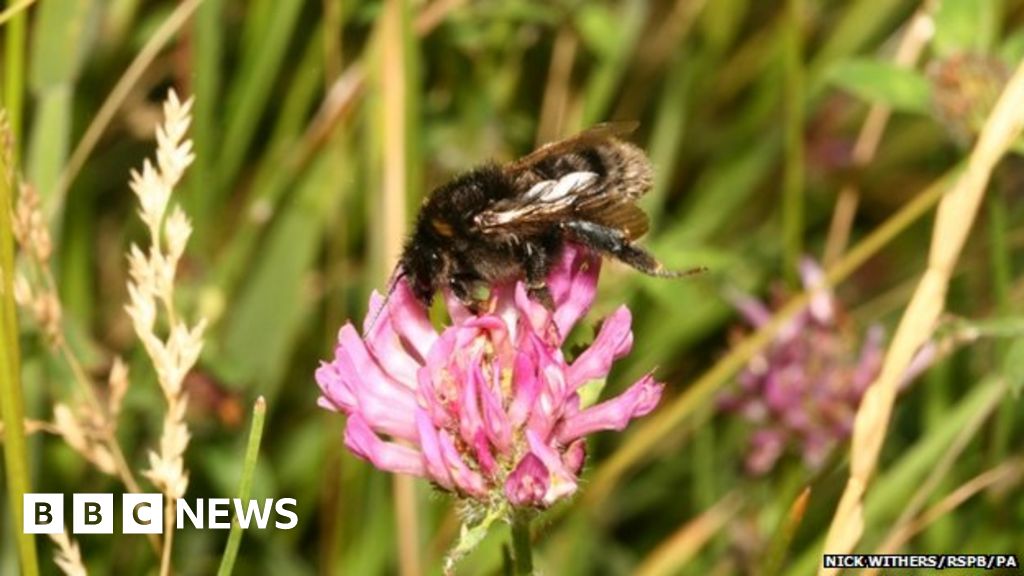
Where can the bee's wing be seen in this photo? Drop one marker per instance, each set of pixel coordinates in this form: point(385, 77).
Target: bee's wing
point(544, 204)
point(574, 196)
point(614, 211)
point(596, 133)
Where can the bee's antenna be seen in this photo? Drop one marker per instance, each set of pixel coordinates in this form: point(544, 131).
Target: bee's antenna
point(397, 275)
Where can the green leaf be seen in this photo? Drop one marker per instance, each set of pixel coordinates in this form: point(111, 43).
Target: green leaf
point(1012, 48)
point(50, 139)
point(270, 309)
point(857, 23)
point(470, 537)
point(965, 26)
point(61, 38)
point(882, 83)
point(997, 327)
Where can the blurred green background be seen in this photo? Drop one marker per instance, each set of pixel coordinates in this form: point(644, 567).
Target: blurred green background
point(315, 122)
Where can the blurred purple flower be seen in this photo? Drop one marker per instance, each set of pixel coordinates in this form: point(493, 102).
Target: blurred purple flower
point(802, 391)
point(488, 408)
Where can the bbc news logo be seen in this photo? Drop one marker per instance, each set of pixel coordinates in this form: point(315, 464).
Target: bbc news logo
point(144, 513)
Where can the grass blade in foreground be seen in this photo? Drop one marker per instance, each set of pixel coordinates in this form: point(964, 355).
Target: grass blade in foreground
point(15, 459)
point(252, 452)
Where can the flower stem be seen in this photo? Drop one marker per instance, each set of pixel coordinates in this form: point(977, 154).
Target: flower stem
point(522, 553)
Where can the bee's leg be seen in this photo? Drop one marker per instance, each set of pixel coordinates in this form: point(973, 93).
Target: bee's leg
point(543, 295)
point(536, 276)
point(615, 244)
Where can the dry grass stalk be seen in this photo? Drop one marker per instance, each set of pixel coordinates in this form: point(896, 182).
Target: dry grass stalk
point(32, 235)
point(394, 87)
point(156, 42)
point(349, 86)
point(940, 470)
point(955, 216)
point(151, 289)
point(87, 426)
point(117, 384)
point(29, 227)
point(67, 557)
point(33, 426)
point(679, 548)
point(80, 435)
point(1002, 477)
point(918, 33)
point(558, 87)
point(80, 431)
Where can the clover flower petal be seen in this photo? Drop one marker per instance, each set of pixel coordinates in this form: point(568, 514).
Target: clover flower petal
point(487, 407)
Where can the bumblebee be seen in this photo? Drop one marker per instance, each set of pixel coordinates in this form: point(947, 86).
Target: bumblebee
point(500, 223)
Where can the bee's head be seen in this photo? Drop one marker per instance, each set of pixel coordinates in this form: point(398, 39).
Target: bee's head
point(423, 265)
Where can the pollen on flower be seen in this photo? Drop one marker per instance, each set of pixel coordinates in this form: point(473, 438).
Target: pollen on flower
point(488, 408)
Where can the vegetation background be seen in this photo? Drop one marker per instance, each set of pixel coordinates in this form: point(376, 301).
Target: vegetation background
point(319, 126)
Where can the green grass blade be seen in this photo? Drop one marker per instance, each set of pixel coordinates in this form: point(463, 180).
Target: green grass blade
point(50, 140)
point(11, 402)
point(669, 129)
point(209, 42)
point(1001, 262)
point(252, 452)
point(861, 22)
point(250, 93)
point(59, 25)
point(614, 36)
point(966, 26)
point(61, 38)
point(14, 73)
point(278, 170)
point(793, 178)
point(272, 304)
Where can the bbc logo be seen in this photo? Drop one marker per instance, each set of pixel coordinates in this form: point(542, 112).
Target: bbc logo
point(93, 514)
point(144, 513)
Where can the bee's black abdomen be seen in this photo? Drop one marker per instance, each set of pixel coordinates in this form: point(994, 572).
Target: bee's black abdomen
point(627, 168)
point(584, 160)
point(622, 167)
